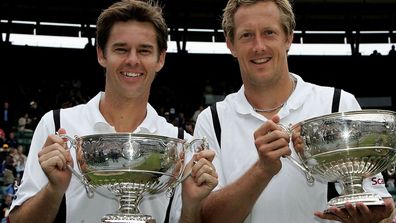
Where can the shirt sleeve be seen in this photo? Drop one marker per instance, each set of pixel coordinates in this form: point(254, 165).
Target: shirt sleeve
point(34, 177)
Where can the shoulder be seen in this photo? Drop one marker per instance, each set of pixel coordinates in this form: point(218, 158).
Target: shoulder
point(167, 129)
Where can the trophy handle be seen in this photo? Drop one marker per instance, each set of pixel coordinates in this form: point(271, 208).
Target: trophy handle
point(308, 175)
point(189, 147)
point(82, 179)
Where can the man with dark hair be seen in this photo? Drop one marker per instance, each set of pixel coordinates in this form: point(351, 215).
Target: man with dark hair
point(131, 46)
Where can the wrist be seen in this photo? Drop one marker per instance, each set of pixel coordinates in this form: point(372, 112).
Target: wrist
point(261, 172)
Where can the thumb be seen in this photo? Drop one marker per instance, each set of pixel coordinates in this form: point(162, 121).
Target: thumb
point(275, 119)
point(61, 131)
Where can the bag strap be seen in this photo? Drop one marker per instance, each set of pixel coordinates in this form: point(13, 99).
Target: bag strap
point(331, 190)
point(61, 215)
point(180, 135)
point(216, 123)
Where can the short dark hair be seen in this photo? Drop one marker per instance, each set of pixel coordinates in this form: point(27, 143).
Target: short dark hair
point(132, 10)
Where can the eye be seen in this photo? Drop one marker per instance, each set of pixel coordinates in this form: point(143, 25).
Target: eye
point(144, 51)
point(269, 32)
point(120, 50)
point(246, 35)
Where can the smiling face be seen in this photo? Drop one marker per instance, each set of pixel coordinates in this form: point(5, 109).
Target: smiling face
point(260, 44)
point(131, 59)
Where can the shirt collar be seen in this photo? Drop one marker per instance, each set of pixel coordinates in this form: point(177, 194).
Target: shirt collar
point(294, 102)
point(102, 126)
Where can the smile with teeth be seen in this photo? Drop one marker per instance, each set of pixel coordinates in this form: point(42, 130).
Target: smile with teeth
point(261, 60)
point(127, 74)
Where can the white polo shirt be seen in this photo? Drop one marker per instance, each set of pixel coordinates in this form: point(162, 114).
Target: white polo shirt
point(83, 120)
point(288, 197)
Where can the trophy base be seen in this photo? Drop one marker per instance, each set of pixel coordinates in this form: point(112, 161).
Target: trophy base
point(127, 218)
point(367, 199)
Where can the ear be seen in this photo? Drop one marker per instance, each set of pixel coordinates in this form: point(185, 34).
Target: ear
point(161, 61)
point(101, 57)
point(289, 41)
point(230, 46)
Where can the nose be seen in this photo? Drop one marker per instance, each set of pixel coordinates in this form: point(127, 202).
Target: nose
point(132, 57)
point(259, 44)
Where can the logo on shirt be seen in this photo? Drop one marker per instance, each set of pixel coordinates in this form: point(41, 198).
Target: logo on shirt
point(377, 181)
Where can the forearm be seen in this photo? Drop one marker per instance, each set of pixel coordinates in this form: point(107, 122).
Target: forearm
point(42, 208)
point(224, 205)
point(190, 214)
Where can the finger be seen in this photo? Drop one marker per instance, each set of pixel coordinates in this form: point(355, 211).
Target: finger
point(273, 142)
point(342, 214)
point(51, 139)
point(389, 206)
point(52, 163)
point(59, 146)
point(61, 131)
point(350, 210)
point(55, 138)
point(205, 178)
point(361, 209)
point(54, 150)
point(206, 154)
point(205, 169)
point(275, 119)
point(198, 164)
point(327, 215)
point(268, 126)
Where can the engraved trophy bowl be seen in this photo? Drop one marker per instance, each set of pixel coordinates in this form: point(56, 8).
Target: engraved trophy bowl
point(131, 166)
point(347, 147)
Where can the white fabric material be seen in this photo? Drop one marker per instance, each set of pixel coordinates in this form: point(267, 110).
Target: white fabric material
point(84, 120)
point(287, 197)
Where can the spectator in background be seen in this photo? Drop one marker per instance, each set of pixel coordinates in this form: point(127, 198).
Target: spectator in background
point(197, 112)
point(375, 53)
point(6, 117)
point(24, 122)
point(392, 51)
point(34, 113)
point(5, 207)
point(9, 173)
point(2, 138)
point(20, 161)
point(12, 141)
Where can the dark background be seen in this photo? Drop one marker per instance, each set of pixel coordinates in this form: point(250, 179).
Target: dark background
point(51, 75)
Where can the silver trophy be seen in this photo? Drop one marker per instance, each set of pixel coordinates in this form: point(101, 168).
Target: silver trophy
point(346, 147)
point(131, 166)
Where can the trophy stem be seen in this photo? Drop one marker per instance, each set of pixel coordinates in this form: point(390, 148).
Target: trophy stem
point(352, 185)
point(353, 192)
point(129, 201)
point(129, 196)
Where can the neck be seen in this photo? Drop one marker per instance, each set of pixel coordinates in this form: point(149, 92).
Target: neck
point(292, 85)
point(124, 116)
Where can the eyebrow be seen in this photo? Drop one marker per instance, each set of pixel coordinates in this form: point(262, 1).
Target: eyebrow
point(123, 44)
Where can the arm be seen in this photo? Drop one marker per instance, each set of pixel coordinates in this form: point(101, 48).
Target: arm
point(53, 159)
point(43, 207)
point(224, 205)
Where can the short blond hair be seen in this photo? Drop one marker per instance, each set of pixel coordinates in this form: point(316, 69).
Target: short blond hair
point(288, 21)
